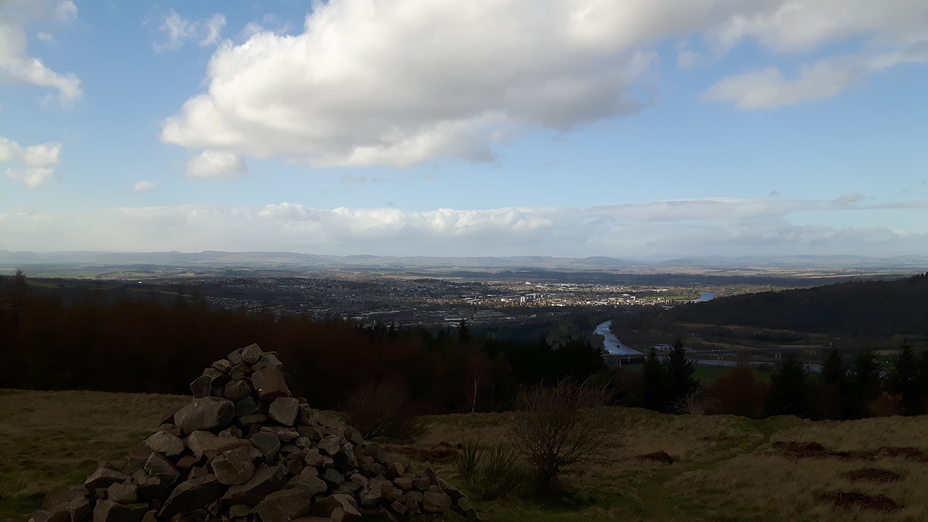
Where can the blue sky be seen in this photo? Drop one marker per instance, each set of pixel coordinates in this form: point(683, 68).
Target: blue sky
point(520, 127)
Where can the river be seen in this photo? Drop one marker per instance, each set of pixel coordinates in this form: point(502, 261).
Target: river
point(614, 346)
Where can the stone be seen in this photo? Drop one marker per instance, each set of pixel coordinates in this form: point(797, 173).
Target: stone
point(237, 391)
point(234, 466)
point(203, 443)
point(166, 444)
point(269, 383)
point(102, 478)
point(284, 410)
point(395, 469)
point(266, 443)
point(330, 444)
point(110, 511)
point(235, 357)
point(263, 482)
point(267, 359)
point(420, 483)
point(284, 433)
point(158, 466)
point(223, 365)
point(123, 493)
point(284, 505)
point(201, 387)
point(333, 478)
point(435, 502)
point(207, 413)
point(148, 486)
point(51, 515)
point(240, 371)
point(191, 494)
point(403, 482)
point(336, 507)
point(251, 354)
point(312, 485)
point(217, 377)
point(80, 509)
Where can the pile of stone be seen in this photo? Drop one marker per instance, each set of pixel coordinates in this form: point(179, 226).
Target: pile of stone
point(245, 449)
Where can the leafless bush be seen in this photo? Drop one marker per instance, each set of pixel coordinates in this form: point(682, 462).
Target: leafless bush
point(562, 426)
point(382, 412)
point(695, 403)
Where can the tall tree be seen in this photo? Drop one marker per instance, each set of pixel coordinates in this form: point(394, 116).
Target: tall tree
point(864, 384)
point(680, 380)
point(654, 385)
point(788, 393)
point(903, 379)
point(831, 388)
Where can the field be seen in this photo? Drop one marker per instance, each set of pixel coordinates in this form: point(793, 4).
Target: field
point(725, 467)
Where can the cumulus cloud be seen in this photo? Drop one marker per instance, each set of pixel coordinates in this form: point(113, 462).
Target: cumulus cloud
point(400, 83)
point(690, 227)
point(16, 64)
point(179, 30)
point(144, 186)
point(32, 165)
point(219, 165)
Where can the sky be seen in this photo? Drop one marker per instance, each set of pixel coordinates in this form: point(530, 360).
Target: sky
point(575, 128)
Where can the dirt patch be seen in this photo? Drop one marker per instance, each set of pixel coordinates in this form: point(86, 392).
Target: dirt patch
point(657, 456)
point(873, 475)
point(805, 449)
point(443, 453)
point(856, 499)
point(800, 450)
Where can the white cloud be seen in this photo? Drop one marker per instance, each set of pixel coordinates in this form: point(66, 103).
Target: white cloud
point(143, 186)
point(767, 88)
point(180, 30)
point(693, 227)
point(16, 65)
point(31, 165)
point(400, 83)
point(213, 164)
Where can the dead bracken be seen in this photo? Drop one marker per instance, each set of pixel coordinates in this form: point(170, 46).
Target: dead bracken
point(856, 499)
point(873, 475)
point(807, 449)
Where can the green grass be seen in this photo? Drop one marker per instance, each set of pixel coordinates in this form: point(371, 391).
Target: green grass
point(726, 467)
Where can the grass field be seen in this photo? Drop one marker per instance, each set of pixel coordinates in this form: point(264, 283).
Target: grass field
point(726, 468)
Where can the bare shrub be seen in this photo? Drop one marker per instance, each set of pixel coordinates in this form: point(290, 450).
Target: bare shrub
point(562, 426)
point(382, 411)
point(695, 403)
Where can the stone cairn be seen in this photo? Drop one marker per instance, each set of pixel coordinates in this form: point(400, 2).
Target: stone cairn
point(245, 450)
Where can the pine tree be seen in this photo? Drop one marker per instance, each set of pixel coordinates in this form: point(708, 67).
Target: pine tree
point(680, 381)
point(788, 393)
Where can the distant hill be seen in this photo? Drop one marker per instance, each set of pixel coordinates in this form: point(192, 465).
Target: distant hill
point(856, 308)
point(293, 260)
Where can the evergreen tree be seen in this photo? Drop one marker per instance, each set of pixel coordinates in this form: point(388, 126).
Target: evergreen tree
point(903, 379)
point(679, 371)
point(788, 393)
point(864, 384)
point(654, 383)
point(831, 388)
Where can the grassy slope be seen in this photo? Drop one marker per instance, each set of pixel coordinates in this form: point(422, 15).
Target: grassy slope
point(726, 469)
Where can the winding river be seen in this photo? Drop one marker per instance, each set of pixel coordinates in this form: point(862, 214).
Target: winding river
point(614, 346)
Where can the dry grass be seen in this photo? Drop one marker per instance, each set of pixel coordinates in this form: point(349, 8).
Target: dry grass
point(52, 439)
point(726, 468)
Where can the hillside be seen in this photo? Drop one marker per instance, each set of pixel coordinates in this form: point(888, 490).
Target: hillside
point(724, 468)
point(855, 308)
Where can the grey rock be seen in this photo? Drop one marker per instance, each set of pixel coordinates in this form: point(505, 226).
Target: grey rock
point(223, 365)
point(80, 509)
point(158, 466)
point(203, 443)
point(435, 502)
point(333, 478)
point(261, 484)
point(251, 354)
point(191, 494)
point(331, 444)
point(123, 493)
point(110, 511)
point(234, 466)
point(235, 357)
point(207, 413)
point(269, 383)
point(284, 410)
point(266, 443)
point(102, 478)
point(336, 507)
point(284, 505)
point(312, 485)
point(166, 444)
point(237, 391)
point(201, 387)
